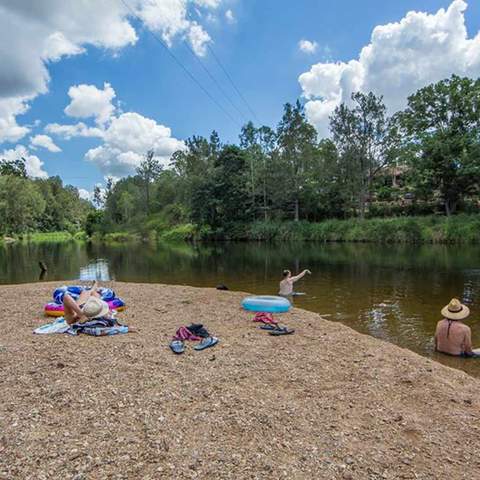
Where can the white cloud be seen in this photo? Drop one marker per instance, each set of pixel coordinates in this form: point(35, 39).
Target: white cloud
point(170, 19)
point(85, 194)
point(127, 139)
point(77, 130)
point(33, 164)
point(35, 33)
point(10, 131)
point(44, 141)
point(89, 101)
point(230, 17)
point(401, 58)
point(199, 39)
point(307, 46)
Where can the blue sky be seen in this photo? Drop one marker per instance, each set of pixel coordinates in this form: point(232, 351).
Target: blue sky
point(260, 50)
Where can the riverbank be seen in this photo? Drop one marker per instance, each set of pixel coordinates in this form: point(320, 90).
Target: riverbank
point(323, 403)
point(434, 229)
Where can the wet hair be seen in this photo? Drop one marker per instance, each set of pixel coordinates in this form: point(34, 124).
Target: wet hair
point(286, 273)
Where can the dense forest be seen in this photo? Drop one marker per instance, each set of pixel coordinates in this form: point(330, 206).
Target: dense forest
point(422, 161)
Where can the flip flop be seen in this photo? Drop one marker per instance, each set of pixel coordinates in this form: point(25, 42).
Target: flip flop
point(206, 343)
point(268, 326)
point(281, 331)
point(177, 346)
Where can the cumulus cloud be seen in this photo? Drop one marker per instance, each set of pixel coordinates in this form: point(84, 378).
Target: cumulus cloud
point(230, 17)
point(10, 131)
point(44, 141)
point(126, 140)
point(33, 34)
point(401, 58)
point(85, 194)
point(77, 130)
point(307, 46)
point(90, 101)
point(33, 164)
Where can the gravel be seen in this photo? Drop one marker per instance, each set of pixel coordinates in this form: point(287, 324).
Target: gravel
point(323, 403)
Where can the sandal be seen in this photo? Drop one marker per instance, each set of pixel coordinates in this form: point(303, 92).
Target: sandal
point(206, 343)
point(177, 346)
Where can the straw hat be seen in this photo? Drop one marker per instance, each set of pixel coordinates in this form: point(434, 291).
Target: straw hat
point(94, 308)
point(455, 310)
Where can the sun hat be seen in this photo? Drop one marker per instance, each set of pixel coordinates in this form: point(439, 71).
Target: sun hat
point(455, 310)
point(94, 308)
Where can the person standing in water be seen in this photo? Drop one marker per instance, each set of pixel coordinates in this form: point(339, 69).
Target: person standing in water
point(286, 285)
point(452, 336)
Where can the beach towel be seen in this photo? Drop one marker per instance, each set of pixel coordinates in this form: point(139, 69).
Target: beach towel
point(98, 327)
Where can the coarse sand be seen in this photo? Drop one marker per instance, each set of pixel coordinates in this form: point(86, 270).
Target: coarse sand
point(323, 403)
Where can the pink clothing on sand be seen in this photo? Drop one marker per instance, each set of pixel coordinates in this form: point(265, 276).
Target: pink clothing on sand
point(264, 317)
point(183, 333)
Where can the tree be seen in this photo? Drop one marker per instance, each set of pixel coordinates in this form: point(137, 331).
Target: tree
point(13, 167)
point(363, 135)
point(21, 204)
point(442, 130)
point(148, 171)
point(297, 143)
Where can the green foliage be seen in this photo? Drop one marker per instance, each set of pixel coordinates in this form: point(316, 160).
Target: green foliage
point(441, 135)
point(285, 183)
point(179, 233)
point(45, 237)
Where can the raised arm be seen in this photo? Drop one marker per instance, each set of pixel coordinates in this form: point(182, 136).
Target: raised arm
point(300, 275)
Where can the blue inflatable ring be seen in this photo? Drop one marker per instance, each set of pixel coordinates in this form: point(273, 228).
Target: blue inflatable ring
point(266, 303)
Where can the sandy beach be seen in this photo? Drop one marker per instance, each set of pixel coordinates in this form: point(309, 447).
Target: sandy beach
point(323, 403)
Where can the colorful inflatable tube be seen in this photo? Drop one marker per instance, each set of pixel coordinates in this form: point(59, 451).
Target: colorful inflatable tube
point(266, 303)
point(55, 308)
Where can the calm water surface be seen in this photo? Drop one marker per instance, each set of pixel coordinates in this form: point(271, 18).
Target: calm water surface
point(391, 292)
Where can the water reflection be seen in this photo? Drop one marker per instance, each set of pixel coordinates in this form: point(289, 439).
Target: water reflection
point(96, 270)
point(394, 293)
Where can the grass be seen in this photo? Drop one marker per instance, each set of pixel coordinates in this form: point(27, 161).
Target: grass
point(45, 237)
point(460, 229)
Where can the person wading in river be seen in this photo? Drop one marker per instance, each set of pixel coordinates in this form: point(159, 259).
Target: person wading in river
point(452, 336)
point(286, 285)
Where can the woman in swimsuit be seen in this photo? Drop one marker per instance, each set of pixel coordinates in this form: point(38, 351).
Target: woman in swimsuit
point(452, 336)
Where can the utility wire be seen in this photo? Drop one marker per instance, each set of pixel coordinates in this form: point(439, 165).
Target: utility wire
point(210, 49)
point(230, 79)
point(214, 80)
point(182, 66)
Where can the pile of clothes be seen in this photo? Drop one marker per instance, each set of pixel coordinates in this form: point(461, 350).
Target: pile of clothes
point(195, 332)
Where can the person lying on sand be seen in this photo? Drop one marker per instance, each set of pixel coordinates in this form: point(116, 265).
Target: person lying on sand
point(452, 336)
point(286, 285)
point(88, 306)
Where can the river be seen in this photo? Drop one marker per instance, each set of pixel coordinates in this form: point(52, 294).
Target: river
point(393, 292)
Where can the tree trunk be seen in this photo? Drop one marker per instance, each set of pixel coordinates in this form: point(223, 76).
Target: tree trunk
point(297, 210)
point(450, 207)
point(265, 216)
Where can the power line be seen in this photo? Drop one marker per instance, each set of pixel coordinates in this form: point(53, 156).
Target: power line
point(225, 94)
point(233, 83)
point(180, 64)
point(230, 79)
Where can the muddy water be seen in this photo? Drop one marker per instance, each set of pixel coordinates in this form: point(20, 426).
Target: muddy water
point(391, 292)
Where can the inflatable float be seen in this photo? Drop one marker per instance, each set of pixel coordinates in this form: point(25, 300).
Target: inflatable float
point(266, 303)
point(55, 308)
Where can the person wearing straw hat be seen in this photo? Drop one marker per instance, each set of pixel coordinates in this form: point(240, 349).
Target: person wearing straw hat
point(452, 336)
point(87, 307)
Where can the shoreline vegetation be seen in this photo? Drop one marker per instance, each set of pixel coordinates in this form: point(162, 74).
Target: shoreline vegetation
point(412, 177)
point(254, 406)
point(459, 229)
